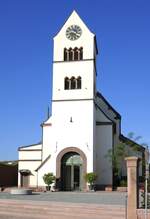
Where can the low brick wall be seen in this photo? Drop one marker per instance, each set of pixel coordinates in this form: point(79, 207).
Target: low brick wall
point(141, 213)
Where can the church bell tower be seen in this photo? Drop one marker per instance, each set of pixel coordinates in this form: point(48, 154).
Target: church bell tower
point(74, 61)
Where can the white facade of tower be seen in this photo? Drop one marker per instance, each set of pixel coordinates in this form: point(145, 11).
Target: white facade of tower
point(73, 110)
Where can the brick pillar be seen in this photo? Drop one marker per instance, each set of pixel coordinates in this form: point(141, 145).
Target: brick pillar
point(132, 187)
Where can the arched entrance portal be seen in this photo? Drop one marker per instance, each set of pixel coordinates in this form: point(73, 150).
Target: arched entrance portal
point(71, 171)
point(59, 160)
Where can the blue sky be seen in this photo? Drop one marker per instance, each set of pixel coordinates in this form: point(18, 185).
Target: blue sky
point(27, 29)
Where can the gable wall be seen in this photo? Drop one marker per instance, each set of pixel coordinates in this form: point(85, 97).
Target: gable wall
point(110, 114)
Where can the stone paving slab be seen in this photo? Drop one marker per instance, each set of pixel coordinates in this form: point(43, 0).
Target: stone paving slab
point(63, 205)
point(28, 209)
point(107, 198)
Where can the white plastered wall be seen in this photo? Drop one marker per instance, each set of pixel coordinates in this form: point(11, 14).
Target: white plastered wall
point(84, 69)
point(63, 133)
point(29, 159)
point(29, 155)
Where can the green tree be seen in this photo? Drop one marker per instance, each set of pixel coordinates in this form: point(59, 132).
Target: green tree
point(117, 155)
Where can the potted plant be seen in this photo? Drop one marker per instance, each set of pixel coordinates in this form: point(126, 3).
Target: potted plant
point(90, 179)
point(49, 178)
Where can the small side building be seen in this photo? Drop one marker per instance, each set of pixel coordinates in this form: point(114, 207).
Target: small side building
point(8, 174)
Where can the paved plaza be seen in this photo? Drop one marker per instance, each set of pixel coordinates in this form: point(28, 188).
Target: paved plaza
point(63, 205)
point(108, 198)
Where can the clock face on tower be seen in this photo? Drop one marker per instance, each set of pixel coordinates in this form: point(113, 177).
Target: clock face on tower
point(73, 32)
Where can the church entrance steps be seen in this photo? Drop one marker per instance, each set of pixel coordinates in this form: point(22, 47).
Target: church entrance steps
point(55, 210)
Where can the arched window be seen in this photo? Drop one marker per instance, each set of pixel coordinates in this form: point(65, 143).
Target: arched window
point(81, 53)
point(67, 83)
point(73, 83)
point(66, 55)
point(76, 53)
point(71, 54)
point(79, 82)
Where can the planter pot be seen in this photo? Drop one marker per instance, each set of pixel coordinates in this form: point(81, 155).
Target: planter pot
point(122, 189)
point(53, 188)
point(48, 188)
point(108, 188)
point(92, 187)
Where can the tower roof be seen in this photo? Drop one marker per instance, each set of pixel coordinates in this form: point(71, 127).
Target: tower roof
point(72, 21)
point(74, 18)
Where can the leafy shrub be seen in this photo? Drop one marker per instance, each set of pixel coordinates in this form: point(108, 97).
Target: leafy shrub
point(90, 177)
point(49, 178)
point(123, 183)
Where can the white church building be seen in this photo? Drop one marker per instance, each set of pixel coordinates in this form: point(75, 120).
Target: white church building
point(83, 125)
